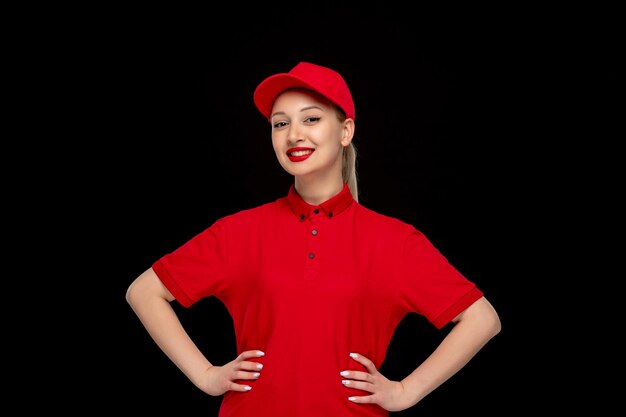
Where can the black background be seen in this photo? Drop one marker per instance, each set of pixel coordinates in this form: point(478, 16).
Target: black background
point(171, 141)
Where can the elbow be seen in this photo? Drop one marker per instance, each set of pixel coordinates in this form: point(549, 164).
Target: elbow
point(495, 325)
point(145, 289)
point(134, 292)
point(486, 317)
point(130, 293)
point(491, 320)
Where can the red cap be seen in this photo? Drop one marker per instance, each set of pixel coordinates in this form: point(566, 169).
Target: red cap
point(320, 79)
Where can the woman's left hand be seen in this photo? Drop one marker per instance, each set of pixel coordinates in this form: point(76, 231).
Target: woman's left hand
point(390, 395)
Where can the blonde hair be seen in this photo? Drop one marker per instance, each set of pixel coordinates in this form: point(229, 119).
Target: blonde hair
point(348, 169)
point(348, 161)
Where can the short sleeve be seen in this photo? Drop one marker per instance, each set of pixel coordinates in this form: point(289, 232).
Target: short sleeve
point(198, 268)
point(430, 285)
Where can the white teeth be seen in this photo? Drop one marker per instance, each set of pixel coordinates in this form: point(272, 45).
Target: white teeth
point(300, 153)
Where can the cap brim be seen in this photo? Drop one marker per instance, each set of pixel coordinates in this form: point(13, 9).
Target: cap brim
point(271, 87)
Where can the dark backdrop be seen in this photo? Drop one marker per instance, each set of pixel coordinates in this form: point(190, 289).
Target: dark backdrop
point(172, 142)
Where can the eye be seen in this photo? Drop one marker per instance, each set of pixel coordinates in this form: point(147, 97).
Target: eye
point(312, 119)
point(278, 125)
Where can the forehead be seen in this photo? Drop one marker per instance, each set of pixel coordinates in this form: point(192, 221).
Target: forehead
point(300, 97)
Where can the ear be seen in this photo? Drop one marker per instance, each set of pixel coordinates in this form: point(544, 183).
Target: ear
point(348, 132)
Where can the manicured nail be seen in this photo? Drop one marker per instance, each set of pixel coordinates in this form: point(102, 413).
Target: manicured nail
point(259, 366)
point(354, 355)
point(344, 373)
point(352, 398)
point(248, 388)
point(260, 353)
point(256, 375)
point(345, 382)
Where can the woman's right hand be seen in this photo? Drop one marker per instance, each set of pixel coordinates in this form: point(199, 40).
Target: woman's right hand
point(220, 379)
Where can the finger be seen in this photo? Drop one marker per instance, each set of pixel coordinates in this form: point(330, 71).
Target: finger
point(360, 385)
point(250, 354)
point(250, 366)
point(358, 375)
point(369, 365)
point(246, 375)
point(240, 387)
point(364, 399)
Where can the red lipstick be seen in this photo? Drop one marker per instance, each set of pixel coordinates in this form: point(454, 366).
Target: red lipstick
point(300, 154)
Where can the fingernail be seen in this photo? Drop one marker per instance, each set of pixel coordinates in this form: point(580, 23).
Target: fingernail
point(248, 388)
point(260, 353)
point(354, 355)
point(256, 374)
point(344, 373)
point(259, 366)
point(352, 398)
point(345, 382)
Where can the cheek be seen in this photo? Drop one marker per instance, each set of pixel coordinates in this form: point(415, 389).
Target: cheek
point(279, 151)
point(333, 135)
point(275, 143)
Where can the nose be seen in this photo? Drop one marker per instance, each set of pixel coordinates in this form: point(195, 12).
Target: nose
point(295, 135)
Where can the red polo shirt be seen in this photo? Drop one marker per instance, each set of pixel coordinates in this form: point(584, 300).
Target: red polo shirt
point(308, 285)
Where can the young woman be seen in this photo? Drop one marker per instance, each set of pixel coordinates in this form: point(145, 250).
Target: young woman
point(315, 282)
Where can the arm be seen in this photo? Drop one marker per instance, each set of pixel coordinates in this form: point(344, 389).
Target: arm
point(473, 328)
point(150, 300)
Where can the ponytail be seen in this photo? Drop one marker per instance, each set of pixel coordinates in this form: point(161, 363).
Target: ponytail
point(348, 170)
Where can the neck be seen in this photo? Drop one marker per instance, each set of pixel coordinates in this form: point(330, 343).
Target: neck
point(316, 191)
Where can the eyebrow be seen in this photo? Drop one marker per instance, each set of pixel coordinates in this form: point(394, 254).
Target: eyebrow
point(301, 110)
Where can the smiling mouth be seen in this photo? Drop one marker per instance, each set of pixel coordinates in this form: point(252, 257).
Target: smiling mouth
point(300, 153)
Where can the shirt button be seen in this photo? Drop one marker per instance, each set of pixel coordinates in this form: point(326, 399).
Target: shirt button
point(314, 232)
point(330, 214)
point(316, 211)
point(302, 217)
point(311, 255)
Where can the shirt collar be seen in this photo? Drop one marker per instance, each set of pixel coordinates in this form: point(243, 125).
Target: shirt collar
point(329, 208)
